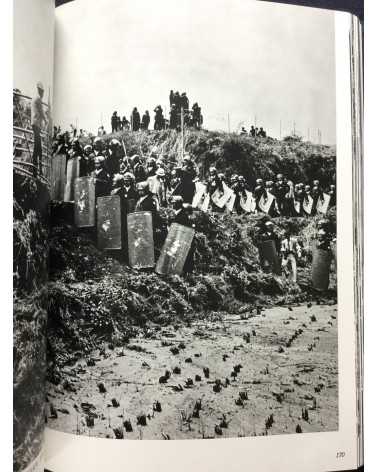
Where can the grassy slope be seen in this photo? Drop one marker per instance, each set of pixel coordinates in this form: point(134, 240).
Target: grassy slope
point(299, 161)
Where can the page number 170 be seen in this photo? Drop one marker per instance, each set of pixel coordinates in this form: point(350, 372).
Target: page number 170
point(340, 455)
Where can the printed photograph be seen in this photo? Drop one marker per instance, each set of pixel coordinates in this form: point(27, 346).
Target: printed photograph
point(192, 270)
point(32, 141)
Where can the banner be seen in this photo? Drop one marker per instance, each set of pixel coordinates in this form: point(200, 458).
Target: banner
point(58, 177)
point(175, 250)
point(109, 223)
point(323, 203)
point(321, 262)
point(85, 202)
point(72, 174)
point(140, 240)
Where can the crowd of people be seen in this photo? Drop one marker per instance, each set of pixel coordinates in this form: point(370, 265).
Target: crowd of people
point(114, 171)
point(179, 111)
point(254, 132)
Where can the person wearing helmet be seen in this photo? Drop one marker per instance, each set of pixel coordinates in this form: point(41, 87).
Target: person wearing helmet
point(182, 181)
point(114, 157)
point(281, 192)
point(266, 233)
point(87, 165)
point(38, 121)
point(291, 251)
point(99, 146)
point(332, 194)
point(298, 199)
point(151, 166)
point(101, 177)
point(135, 119)
point(158, 187)
point(145, 201)
point(258, 192)
point(316, 194)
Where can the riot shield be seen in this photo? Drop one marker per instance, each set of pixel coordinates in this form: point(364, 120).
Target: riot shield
point(269, 259)
point(175, 250)
point(109, 223)
point(72, 174)
point(85, 202)
point(140, 240)
point(321, 262)
point(58, 177)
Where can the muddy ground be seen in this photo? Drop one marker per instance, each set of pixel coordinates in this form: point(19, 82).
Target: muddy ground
point(286, 381)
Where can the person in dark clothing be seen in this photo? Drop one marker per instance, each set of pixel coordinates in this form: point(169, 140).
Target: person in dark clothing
point(267, 233)
point(151, 167)
point(196, 116)
point(182, 216)
point(101, 177)
point(281, 190)
point(87, 163)
point(146, 120)
point(135, 119)
point(114, 157)
point(119, 125)
point(159, 119)
point(332, 194)
point(125, 123)
point(173, 117)
point(171, 98)
point(146, 202)
point(177, 100)
point(182, 212)
point(184, 102)
point(184, 185)
point(138, 169)
point(114, 121)
point(316, 193)
point(252, 132)
point(259, 191)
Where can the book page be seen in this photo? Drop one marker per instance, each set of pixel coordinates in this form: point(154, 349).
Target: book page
point(196, 288)
point(32, 94)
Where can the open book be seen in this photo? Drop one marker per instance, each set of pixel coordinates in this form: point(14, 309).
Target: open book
point(187, 237)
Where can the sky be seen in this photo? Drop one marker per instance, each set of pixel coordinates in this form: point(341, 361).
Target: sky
point(269, 64)
point(33, 45)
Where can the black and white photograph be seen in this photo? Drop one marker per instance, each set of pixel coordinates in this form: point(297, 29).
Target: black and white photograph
point(32, 126)
point(193, 269)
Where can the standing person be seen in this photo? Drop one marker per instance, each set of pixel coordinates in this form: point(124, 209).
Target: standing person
point(114, 122)
point(158, 187)
point(135, 119)
point(125, 123)
point(171, 97)
point(146, 120)
point(290, 251)
point(38, 119)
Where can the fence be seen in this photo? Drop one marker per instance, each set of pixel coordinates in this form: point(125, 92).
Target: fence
point(23, 140)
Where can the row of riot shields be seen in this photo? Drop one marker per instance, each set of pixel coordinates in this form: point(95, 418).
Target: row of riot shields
point(117, 229)
point(321, 263)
